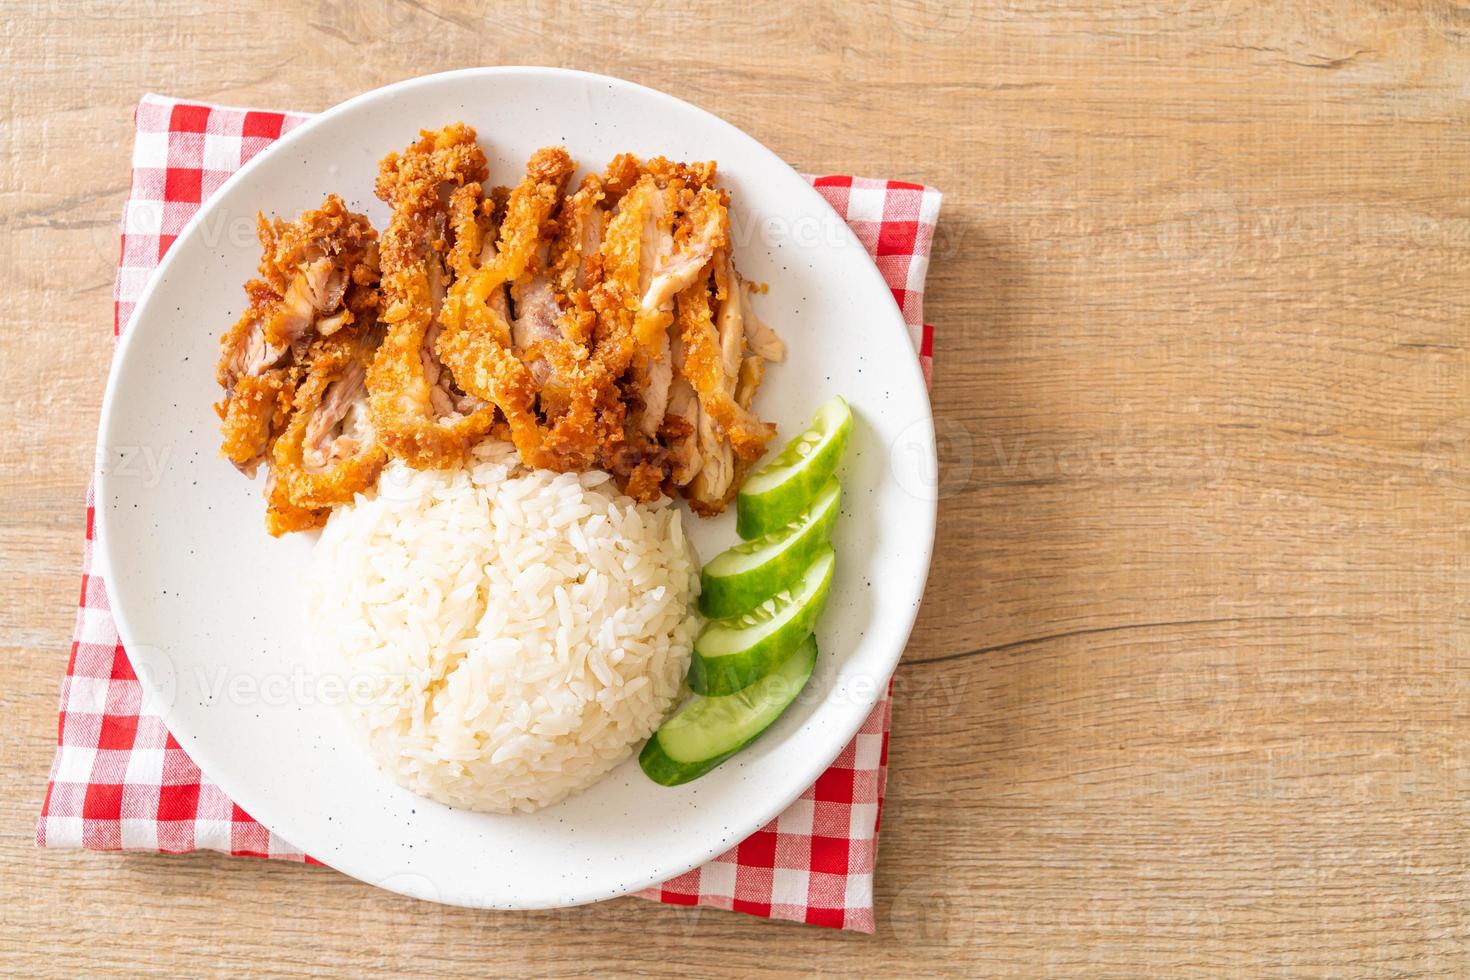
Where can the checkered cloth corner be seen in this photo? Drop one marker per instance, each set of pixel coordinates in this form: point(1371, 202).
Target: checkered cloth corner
point(119, 780)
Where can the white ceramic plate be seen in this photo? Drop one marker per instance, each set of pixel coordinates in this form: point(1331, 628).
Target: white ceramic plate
point(207, 604)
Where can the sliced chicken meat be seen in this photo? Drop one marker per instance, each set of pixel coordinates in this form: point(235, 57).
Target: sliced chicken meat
point(535, 363)
point(329, 451)
point(759, 338)
point(714, 354)
point(311, 263)
point(603, 326)
point(418, 413)
point(680, 432)
point(319, 274)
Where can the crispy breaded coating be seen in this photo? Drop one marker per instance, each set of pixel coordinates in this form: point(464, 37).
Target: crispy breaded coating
point(416, 410)
point(283, 516)
point(601, 325)
point(319, 275)
point(258, 387)
point(476, 342)
point(250, 420)
point(328, 452)
point(313, 263)
point(712, 363)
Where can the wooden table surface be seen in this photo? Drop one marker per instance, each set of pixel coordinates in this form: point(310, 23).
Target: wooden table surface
point(1189, 690)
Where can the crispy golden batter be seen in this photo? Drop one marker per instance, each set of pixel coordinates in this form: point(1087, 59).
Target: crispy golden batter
point(250, 419)
point(283, 516)
point(478, 342)
point(313, 263)
point(669, 225)
point(418, 412)
point(617, 297)
point(633, 331)
point(318, 275)
point(603, 326)
point(712, 361)
point(576, 262)
point(578, 396)
point(317, 292)
point(328, 452)
point(467, 308)
point(623, 171)
point(258, 386)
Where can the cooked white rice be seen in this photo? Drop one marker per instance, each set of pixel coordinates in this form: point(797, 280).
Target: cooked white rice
point(507, 636)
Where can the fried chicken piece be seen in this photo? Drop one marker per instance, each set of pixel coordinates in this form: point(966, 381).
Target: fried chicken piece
point(623, 171)
point(704, 366)
point(759, 338)
point(680, 430)
point(329, 452)
point(618, 296)
point(653, 369)
point(252, 416)
point(752, 370)
point(554, 330)
point(628, 444)
point(537, 357)
point(702, 228)
point(418, 411)
point(552, 307)
point(638, 238)
point(664, 233)
point(576, 253)
point(282, 516)
point(311, 263)
point(319, 274)
point(714, 360)
point(258, 386)
point(716, 348)
point(473, 221)
point(669, 222)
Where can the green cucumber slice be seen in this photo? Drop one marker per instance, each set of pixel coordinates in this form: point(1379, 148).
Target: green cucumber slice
point(707, 731)
point(730, 654)
point(776, 493)
point(744, 576)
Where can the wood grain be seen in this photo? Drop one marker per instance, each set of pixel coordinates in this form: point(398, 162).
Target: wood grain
point(1189, 691)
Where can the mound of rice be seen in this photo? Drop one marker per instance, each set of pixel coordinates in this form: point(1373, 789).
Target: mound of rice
point(507, 636)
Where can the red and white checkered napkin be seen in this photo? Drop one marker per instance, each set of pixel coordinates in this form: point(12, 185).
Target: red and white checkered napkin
point(121, 782)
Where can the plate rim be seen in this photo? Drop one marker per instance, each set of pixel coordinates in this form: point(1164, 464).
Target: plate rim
point(401, 884)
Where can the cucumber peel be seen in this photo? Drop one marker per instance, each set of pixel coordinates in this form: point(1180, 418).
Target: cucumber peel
point(707, 731)
point(778, 492)
point(733, 653)
point(744, 576)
